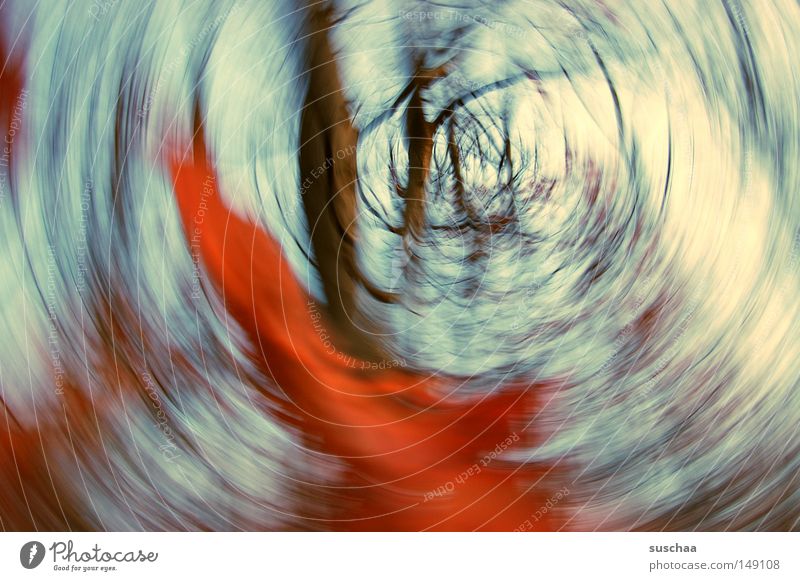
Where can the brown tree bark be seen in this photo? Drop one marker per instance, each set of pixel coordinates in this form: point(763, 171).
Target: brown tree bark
point(327, 160)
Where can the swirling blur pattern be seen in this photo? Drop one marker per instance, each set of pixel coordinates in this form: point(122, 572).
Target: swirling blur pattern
point(382, 265)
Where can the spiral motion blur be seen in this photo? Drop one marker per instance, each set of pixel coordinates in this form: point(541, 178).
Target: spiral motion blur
point(378, 265)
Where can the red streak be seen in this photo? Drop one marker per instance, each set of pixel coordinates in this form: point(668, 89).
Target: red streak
point(400, 440)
